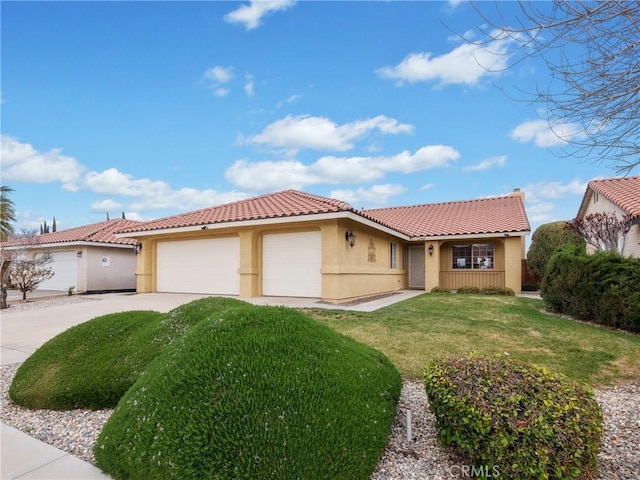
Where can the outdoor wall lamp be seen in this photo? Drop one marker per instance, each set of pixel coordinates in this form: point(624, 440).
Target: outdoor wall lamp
point(138, 247)
point(79, 254)
point(350, 237)
point(430, 249)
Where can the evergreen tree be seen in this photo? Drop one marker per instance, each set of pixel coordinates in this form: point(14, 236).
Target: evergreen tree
point(54, 227)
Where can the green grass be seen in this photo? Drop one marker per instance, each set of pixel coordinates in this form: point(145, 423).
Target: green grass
point(415, 331)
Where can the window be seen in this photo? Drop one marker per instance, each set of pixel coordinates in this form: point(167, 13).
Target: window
point(393, 255)
point(473, 256)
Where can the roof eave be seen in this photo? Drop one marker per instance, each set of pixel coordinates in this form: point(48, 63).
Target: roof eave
point(466, 236)
point(266, 221)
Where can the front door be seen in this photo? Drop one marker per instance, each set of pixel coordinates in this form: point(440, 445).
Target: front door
point(416, 266)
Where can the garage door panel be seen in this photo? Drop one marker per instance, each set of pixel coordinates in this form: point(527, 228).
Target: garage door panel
point(199, 266)
point(291, 265)
point(65, 266)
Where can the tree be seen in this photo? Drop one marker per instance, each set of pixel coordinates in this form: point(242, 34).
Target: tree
point(545, 241)
point(7, 213)
point(603, 231)
point(26, 274)
point(592, 51)
point(20, 243)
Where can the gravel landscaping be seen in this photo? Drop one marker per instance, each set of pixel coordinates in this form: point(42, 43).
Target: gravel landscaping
point(420, 458)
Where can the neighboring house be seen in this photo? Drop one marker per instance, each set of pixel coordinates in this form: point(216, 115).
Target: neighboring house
point(295, 244)
point(620, 196)
point(89, 258)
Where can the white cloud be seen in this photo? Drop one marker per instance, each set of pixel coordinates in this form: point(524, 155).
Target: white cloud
point(251, 15)
point(543, 134)
point(377, 194)
point(106, 205)
point(542, 191)
point(270, 175)
point(541, 212)
point(248, 86)
point(152, 195)
point(219, 74)
point(427, 186)
point(218, 77)
point(466, 64)
point(23, 163)
point(319, 133)
point(488, 163)
point(286, 101)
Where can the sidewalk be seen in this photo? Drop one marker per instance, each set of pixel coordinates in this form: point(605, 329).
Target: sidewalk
point(23, 332)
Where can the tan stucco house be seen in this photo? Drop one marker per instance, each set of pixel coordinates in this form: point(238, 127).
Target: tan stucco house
point(89, 258)
point(296, 244)
point(620, 196)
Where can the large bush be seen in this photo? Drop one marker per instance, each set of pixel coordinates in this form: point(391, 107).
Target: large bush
point(257, 392)
point(545, 241)
point(512, 420)
point(93, 364)
point(602, 287)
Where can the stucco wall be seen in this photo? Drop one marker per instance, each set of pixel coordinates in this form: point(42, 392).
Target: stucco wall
point(599, 203)
point(105, 268)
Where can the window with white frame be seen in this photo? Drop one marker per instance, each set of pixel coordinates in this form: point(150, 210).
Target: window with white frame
point(473, 256)
point(393, 255)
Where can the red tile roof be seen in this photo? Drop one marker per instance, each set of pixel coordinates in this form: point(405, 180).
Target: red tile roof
point(483, 216)
point(288, 203)
point(623, 192)
point(101, 232)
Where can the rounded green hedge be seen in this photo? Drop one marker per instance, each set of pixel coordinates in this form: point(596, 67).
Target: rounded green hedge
point(257, 392)
point(93, 364)
point(90, 365)
point(514, 420)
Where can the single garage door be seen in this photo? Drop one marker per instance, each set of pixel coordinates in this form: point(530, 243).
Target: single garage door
point(65, 266)
point(291, 264)
point(199, 266)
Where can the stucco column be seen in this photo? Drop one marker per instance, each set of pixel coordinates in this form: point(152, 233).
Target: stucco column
point(431, 265)
point(513, 263)
point(144, 267)
point(249, 264)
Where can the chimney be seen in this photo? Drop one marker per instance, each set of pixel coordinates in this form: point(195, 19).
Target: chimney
point(519, 193)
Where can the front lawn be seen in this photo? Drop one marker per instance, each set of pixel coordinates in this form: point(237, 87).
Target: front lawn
point(415, 331)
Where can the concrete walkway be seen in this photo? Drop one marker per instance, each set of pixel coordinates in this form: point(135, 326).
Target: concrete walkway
point(23, 332)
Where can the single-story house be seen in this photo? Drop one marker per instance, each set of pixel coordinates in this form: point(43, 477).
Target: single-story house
point(620, 196)
point(296, 244)
point(89, 258)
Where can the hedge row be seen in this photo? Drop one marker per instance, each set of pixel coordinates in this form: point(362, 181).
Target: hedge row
point(603, 288)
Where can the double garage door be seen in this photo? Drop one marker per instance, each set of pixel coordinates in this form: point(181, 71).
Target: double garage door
point(291, 265)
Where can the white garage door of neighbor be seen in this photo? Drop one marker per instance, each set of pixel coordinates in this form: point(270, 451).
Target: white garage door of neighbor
point(291, 264)
point(199, 266)
point(65, 266)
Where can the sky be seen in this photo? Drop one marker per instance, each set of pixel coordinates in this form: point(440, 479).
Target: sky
point(158, 108)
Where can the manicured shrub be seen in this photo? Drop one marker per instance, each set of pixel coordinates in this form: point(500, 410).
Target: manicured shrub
point(90, 365)
point(440, 289)
point(257, 392)
point(545, 241)
point(497, 290)
point(513, 420)
point(93, 364)
point(468, 289)
point(601, 288)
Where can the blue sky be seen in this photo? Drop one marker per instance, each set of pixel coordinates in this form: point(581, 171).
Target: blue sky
point(156, 108)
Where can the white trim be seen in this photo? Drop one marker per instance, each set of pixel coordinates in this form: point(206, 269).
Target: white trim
point(471, 236)
point(68, 244)
point(267, 221)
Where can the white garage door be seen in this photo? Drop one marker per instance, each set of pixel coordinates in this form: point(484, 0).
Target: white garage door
point(199, 266)
point(65, 266)
point(291, 264)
